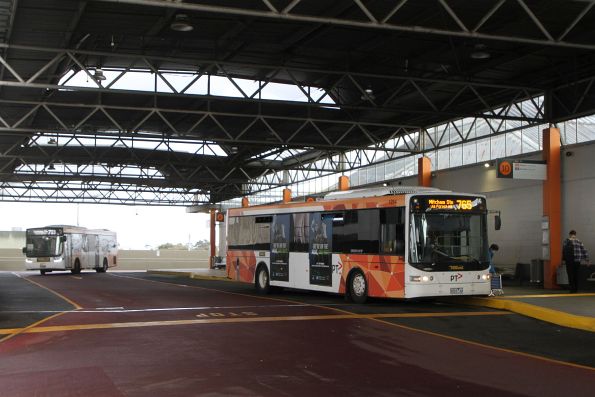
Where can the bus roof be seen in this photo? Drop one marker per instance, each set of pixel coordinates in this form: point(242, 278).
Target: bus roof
point(381, 197)
point(380, 191)
point(75, 229)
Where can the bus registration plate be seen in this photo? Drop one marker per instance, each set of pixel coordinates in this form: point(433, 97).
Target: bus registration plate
point(456, 291)
point(43, 259)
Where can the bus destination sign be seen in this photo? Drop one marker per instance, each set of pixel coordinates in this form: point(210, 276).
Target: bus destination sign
point(45, 232)
point(447, 203)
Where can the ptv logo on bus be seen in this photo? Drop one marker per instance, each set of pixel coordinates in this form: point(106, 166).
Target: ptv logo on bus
point(456, 277)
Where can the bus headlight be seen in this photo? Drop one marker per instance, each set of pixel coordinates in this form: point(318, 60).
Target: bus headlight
point(55, 260)
point(422, 279)
point(486, 277)
point(27, 260)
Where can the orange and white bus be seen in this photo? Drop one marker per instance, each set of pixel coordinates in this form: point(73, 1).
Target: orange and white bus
point(392, 242)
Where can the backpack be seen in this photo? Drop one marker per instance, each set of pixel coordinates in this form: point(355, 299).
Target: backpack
point(568, 251)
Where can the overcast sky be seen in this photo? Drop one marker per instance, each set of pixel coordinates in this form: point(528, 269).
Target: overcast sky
point(137, 226)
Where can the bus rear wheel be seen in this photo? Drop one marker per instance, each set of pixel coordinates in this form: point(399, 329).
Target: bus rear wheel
point(77, 267)
point(262, 280)
point(103, 268)
point(43, 272)
point(358, 287)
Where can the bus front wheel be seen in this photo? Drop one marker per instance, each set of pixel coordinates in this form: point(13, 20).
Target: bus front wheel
point(262, 280)
point(358, 287)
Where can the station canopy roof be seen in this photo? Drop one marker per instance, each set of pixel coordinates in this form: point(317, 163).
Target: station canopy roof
point(172, 102)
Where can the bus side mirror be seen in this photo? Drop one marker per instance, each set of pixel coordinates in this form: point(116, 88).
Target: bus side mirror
point(63, 239)
point(497, 222)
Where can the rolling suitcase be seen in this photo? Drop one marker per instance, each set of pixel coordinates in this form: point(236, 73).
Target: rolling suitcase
point(496, 285)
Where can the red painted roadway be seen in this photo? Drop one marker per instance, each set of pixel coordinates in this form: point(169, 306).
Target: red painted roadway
point(135, 337)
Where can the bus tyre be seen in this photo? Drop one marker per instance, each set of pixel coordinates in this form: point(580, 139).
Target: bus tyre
point(77, 267)
point(358, 287)
point(262, 280)
point(42, 272)
point(103, 268)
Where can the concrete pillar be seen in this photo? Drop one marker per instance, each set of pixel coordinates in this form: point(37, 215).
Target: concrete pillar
point(424, 172)
point(552, 206)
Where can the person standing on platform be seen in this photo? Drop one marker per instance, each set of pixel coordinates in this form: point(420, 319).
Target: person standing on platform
point(573, 253)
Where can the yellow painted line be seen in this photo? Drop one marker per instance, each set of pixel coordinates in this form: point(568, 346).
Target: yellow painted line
point(169, 273)
point(8, 331)
point(77, 277)
point(27, 329)
point(251, 319)
point(207, 277)
point(541, 313)
point(73, 303)
point(191, 275)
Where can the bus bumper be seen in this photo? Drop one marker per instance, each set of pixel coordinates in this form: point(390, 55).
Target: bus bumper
point(458, 289)
point(51, 264)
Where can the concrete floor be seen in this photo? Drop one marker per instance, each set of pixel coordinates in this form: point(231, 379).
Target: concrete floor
point(151, 335)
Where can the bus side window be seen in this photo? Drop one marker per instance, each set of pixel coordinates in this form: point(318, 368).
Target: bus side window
point(262, 237)
point(392, 231)
point(300, 222)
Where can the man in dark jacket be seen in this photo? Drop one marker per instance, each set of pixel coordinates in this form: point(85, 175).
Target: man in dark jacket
point(573, 253)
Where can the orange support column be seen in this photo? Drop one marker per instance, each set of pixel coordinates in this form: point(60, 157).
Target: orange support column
point(286, 195)
point(213, 245)
point(424, 172)
point(552, 204)
point(343, 182)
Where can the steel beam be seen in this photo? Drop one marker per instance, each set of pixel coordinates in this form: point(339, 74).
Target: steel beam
point(382, 22)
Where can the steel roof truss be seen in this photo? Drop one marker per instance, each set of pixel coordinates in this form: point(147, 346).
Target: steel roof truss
point(11, 70)
point(536, 20)
point(40, 72)
point(488, 15)
point(372, 22)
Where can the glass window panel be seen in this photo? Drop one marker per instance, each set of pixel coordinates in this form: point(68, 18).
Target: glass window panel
point(456, 156)
point(301, 232)
point(498, 147)
point(483, 150)
point(530, 140)
point(482, 128)
point(513, 143)
point(569, 132)
point(391, 169)
point(356, 232)
point(392, 231)
point(469, 153)
point(443, 159)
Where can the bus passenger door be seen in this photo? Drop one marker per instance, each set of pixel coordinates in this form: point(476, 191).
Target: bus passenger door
point(92, 251)
point(320, 257)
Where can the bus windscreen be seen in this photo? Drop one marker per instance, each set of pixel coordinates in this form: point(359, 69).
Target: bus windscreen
point(447, 233)
point(43, 243)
